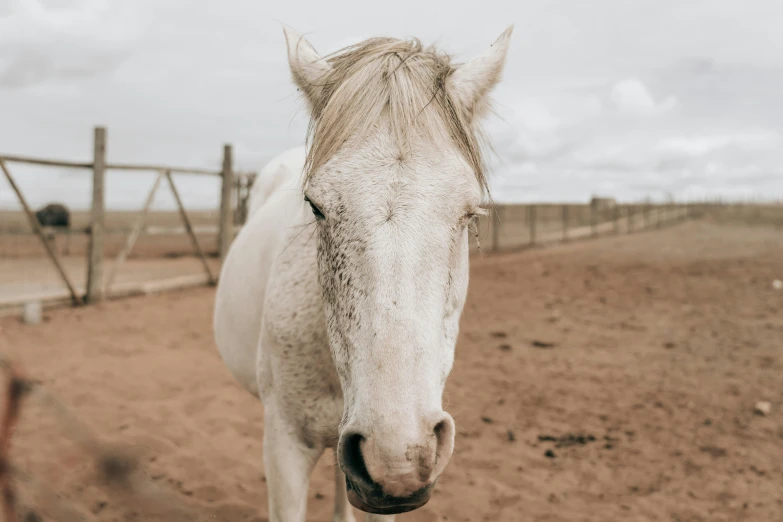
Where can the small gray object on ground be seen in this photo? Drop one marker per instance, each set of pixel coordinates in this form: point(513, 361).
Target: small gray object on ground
point(763, 408)
point(32, 312)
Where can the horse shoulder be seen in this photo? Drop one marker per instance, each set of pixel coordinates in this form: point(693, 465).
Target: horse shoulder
point(242, 287)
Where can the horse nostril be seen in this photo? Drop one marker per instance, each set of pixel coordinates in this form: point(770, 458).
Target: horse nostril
point(441, 429)
point(444, 431)
point(352, 460)
point(444, 435)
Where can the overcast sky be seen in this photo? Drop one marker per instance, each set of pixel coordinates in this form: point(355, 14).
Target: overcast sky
point(617, 97)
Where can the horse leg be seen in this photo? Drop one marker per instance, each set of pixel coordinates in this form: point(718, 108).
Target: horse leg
point(371, 517)
point(288, 463)
point(343, 511)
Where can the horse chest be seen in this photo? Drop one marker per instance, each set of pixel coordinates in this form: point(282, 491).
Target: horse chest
point(308, 391)
point(299, 373)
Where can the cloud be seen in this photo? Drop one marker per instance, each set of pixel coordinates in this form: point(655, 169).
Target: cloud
point(704, 145)
point(85, 39)
point(622, 139)
point(602, 95)
point(631, 96)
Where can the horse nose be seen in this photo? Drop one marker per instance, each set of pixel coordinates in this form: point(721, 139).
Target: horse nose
point(395, 459)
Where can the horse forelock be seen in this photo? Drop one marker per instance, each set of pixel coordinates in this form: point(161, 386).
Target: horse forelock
point(397, 86)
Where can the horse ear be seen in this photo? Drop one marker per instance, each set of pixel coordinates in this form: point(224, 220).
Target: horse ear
point(471, 82)
point(307, 68)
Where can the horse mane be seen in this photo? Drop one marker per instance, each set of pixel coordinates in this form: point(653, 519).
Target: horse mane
point(393, 83)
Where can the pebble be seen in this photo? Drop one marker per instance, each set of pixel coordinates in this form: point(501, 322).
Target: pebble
point(32, 312)
point(763, 408)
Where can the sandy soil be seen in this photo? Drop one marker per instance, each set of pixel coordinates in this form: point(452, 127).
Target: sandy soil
point(613, 379)
point(28, 279)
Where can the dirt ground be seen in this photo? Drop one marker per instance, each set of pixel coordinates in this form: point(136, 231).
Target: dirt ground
point(28, 279)
point(604, 380)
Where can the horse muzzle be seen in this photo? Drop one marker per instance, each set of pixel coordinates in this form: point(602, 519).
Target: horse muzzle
point(375, 501)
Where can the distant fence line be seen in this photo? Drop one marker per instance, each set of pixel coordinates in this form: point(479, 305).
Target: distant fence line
point(517, 226)
point(537, 224)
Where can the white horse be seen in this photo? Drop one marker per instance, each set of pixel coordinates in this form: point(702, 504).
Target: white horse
point(339, 301)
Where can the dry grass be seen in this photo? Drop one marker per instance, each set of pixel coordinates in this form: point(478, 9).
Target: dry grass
point(17, 240)
point(15, 220)
point(754, 215)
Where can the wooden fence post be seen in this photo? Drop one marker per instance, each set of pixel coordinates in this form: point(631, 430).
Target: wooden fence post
point(226, 213)
point(97, 219)
point(616, 219)
point(593, 221)
point(532, 218)
point(495, 224)
point(237, 196)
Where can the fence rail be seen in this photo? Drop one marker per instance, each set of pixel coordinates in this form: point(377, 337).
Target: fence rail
point(46, 162)
point(109, 166)
point(163, 168)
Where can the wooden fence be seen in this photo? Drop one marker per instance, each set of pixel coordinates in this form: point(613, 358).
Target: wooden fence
point(507, 227)
point(98, 284)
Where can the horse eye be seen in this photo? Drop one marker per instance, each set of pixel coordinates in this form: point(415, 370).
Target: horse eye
point(472, 217)
point(316, 211)
point(469, 218)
